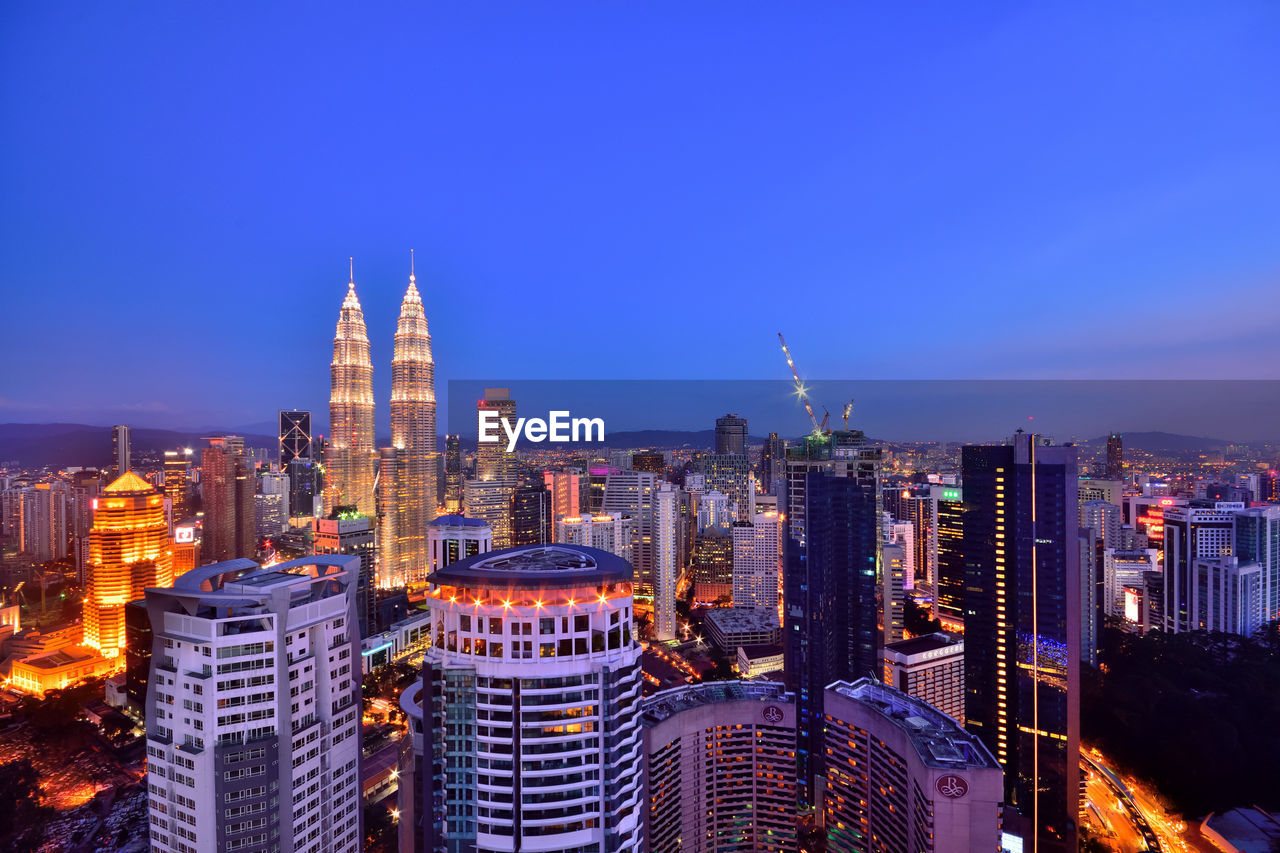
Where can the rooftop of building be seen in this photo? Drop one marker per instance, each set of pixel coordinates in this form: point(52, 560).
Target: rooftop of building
point(660, 706)
point(1247, 830)
point(128, 482)
point(458, 521)
point(761, 650)
point(60, 658)
point(938, 739)
point(926, 643)
point(541, 564)
point(733, 620)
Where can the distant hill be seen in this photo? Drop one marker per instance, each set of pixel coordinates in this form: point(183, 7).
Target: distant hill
point(1164, 441)
point(64, 445)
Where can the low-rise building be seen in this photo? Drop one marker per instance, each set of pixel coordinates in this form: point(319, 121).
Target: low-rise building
point(730, 627)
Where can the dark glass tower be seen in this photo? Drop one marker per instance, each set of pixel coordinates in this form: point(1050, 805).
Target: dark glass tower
point(731, 435)
point(531, 515)
point(830, 624)
point(453, 472)
point(297, 461)
point(1022, 628)
point(1115, 456)
point(950, 592)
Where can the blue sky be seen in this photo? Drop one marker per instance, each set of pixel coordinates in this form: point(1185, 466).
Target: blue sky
point(629, 190)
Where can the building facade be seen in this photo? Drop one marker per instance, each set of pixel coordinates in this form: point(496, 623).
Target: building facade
point(930, 668)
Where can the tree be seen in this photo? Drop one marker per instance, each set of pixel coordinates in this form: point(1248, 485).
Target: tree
point(22, 810)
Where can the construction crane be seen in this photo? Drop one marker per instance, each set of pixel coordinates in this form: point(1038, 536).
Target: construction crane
point(848, 410)
point(801, 391)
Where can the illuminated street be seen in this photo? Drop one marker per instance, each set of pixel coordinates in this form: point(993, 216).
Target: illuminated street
point(1128, 817)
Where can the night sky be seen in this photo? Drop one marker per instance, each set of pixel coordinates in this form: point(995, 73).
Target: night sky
point(602, 190)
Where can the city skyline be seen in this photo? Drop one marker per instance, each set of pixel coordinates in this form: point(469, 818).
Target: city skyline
point(892, 159)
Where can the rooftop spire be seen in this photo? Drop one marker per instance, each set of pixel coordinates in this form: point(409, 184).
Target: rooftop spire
point(352, 261)
point(411, 278)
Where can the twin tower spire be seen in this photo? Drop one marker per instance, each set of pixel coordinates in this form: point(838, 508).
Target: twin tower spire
point(404, 474)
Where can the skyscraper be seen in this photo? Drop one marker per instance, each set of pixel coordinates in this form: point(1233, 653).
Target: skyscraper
point(731, 435)
point(730, 474)
point(757, 560)
point(773, 463)
point(1115, 457)
point(493, 462)
point(666, 518)
point(297, 459)
point(1202, 531)
point(227, 486)
point(830, 627)
point(566, 492)
point(120, 446)
point(129, 550)
point(531, 515)
point(177, 476)
point(453, 472)
point(631, 493)
point(525, 731)
point(1022, 623)
point(451, 538)
point(349, 457)
point(347, 533)
point(43, 521)
point(948, 594)
point(412, 482)
point(253, 709)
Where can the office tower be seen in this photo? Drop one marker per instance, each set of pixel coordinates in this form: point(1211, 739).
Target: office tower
point(731, 435)
point(730, 474)
point(843, 453)
point(712, 566)
point(757, 561)
point(1091, 593)
point(1203, 531)
point(451, 538)
point(721, 768)
point(346, 533)
point(303, 487)
point(893, 568)
point(830, 624)
point(44, 521)
point(903, 533)
point(493, 462)
point(1258, 541)
point(526, 732)
point(86, 486)
point(713, 510)
point(349, 455)
point(129, 550)
point(612, 533)
point(901, 776)
point(620, 460)
point(773, 463)
point(1124, 568)
point(918, 507)
point(665, 568)
point(597, 478)
point(137, 654)
point(930, 668)
point(409, 482)
point(295, 437)
point(1269, 486)
point(631, 493)
point(648, 460)
point(1104, 518)
point(1111, 491)
point(1227, 595)
point(1022, 627)
point(276, 485)
point(1115, 457)
point(452, 472)
point(695, 484)
point(121, 451)
point(185, 546)
point(949, 560)
point(566, 492)
point(490, 502)
point(531, 515)
point(227, 486)
point(253, 711)
point(177, 477)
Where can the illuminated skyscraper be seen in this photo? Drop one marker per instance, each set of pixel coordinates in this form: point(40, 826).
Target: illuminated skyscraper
point(452, 472)
point(409, 502)
point(489, 495)
point(531, 522)
point(120, 444)
point(1115, 456)
point(1022, 627)
point(129, 550)
point(177, 466)
point(666, 520)
point(350, 454)
point(227, 486)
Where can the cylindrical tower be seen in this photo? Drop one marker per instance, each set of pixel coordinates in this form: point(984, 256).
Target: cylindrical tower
point(350, 455)
point(526, 723)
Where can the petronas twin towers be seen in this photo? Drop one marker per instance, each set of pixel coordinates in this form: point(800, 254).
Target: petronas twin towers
point(405, 499)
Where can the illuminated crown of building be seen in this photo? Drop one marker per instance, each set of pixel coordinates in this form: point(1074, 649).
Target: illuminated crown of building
point(349, 458)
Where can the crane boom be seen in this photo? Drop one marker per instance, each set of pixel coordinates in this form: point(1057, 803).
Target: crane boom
point(800, 389)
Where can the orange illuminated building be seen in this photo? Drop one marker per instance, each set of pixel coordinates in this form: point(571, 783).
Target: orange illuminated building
point(129, 550)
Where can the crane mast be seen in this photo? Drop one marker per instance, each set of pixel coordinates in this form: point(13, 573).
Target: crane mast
point(801, 392)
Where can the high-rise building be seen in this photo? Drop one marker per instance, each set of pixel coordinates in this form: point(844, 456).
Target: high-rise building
point(1124, 568)
point(531, 515)
point(721, 768)
point(295, 437)
point(227, 486)
point(712, 510)
point(757, 561)
point(129, 550)
point(712, 565)
point(489, 501)
point(1022, 623)
point(409, 487)
point(631, 493)
point(350, 454)
point(452, 472)
point(566, 492)
point(253, 709)
point(893, 594)
point(773, 464)
point(121, 451)
point(1202, 531)
point(344, 532)
point(177, 479)
point(1091, 593)
point(493, 462)
point(666, 521)
point(902, 775)
point(525, 728)
point(612, 533)
point(303, 487)
point(451, 538)
point(137, 654)
point(44, 517)
point(830, 625)
point(949, 562)
point(648, 460)
point(730, 474)
point(1227, 596)
point(1258, 541)
point(731, 435)
point(930, 668)
point(1115, 457)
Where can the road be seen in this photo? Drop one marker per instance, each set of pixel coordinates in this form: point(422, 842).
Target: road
point(1133, 815)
